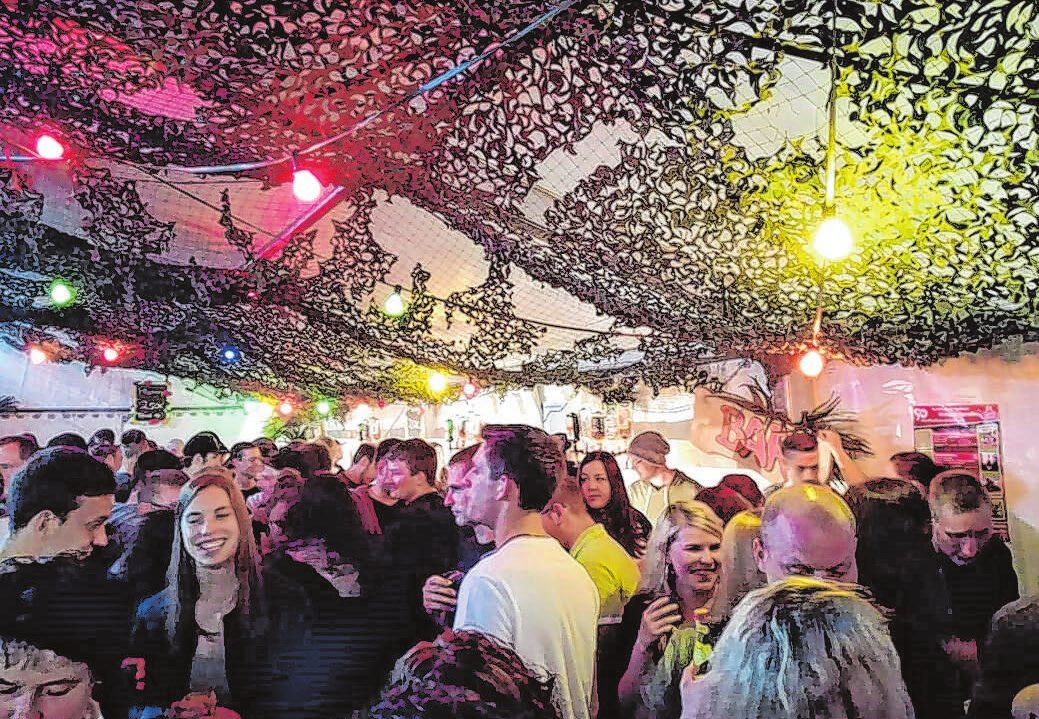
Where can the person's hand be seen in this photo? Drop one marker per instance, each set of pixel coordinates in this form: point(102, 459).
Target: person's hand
point(356, 471)
point(135, 665)
point(195, 705)
point(661, 618)
point(830, 440)
point(692, 689)
point(439, 594)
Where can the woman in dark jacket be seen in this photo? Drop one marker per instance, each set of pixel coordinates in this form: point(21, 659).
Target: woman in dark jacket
point(602, 486)
point(215, 626)
point(352, 638)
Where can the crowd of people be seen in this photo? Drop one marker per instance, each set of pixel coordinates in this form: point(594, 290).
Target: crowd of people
point(194, 581)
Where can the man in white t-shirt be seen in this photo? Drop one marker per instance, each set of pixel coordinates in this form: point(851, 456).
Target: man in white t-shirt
point(529, 593)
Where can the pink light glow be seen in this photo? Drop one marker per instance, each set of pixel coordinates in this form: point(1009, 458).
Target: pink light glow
point(48, 148)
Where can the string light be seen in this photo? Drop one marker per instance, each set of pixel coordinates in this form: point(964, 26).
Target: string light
point(470, 389)
point(286, 408)
point(437, 382)
point(811, 363)
point(110, 354)
point(833, 239)
point(61, 294)
point(323, 408)
point(48, 148)
point(230, 355)
point(306, 186)
point(38, 356)
point(395, 304)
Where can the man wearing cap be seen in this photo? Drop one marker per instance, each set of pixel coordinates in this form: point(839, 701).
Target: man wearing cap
point(204, 451)
point(658, 486)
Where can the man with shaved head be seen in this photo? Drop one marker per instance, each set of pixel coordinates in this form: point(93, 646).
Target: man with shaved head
point(807, 530)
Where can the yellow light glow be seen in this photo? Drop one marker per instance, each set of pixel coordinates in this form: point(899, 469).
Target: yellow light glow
point(395, 305)
point(437, 383)
point(812, 363)
point(833, 239)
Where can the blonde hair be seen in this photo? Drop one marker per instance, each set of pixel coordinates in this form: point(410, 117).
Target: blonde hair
point(657, 573)
point(804, 647)
point(739, 568)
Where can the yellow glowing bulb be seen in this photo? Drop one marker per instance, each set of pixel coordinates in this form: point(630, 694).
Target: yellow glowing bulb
point(437, 382)
point(812, 363)
point(37, 356)
point(395, 305)
point(833, 239)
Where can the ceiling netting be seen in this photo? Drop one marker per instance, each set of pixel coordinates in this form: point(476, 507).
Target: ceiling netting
point(623, 193)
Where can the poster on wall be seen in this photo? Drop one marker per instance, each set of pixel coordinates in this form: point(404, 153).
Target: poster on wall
point(150, 402)
point(967, 437)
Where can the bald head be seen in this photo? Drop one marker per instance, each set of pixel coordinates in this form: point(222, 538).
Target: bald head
point(807, 530)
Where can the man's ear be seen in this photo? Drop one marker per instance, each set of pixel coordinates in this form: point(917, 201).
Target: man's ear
point(553, 512)
point(44, 522)
point(503, 488)
point(759, 554)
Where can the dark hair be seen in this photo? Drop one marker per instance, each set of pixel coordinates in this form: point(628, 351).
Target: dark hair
point(307, 459)
point(799, 442)
point(529, 457)
point(464, 675)
point(266, 446)
point(627, 525)
point(364, 451)
point(893, 526)
point(26, 444)
point(958, 491)
point(54, 479)
point(916, 466)
point(464, 456)
point(239, 447)
point(384, 447)
point(324, 510)
point(418, 456)
point(132, 436)
point(68, 439)
point(102, 450)
point(102, 436)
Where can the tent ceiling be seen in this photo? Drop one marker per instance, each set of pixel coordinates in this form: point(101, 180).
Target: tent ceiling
point(623, 193)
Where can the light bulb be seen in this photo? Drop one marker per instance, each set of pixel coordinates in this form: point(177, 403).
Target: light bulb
point(833, 239)
point(811, 363)
point(48, 148)
point(285, 408)
point(37, 356)
point(305, 186)
point(395, 305)
point(437, 382)
point(362, 412)
point(323, 407)
point(230, 354)
point(111, 354)
point(470, 389)
point(61, 294)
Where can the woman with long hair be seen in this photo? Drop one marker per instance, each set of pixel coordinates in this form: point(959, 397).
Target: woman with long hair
point(799, 648)
point(603, 488)
point(739, 568)
point(209, 630)
point(669, 624)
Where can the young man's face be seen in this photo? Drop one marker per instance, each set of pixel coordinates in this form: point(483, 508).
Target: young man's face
point(961, 535)
point(800, 467)
point(471, 495)
point(403, 484)
point(59, 691)
point(10, 461)
point(82, 530)
point(249, 463)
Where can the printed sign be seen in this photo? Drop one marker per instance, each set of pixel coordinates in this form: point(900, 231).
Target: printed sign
point(967, 437)
point(750, 440)
point(150, 401)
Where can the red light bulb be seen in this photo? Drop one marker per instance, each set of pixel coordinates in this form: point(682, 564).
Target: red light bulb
point(48, 148)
